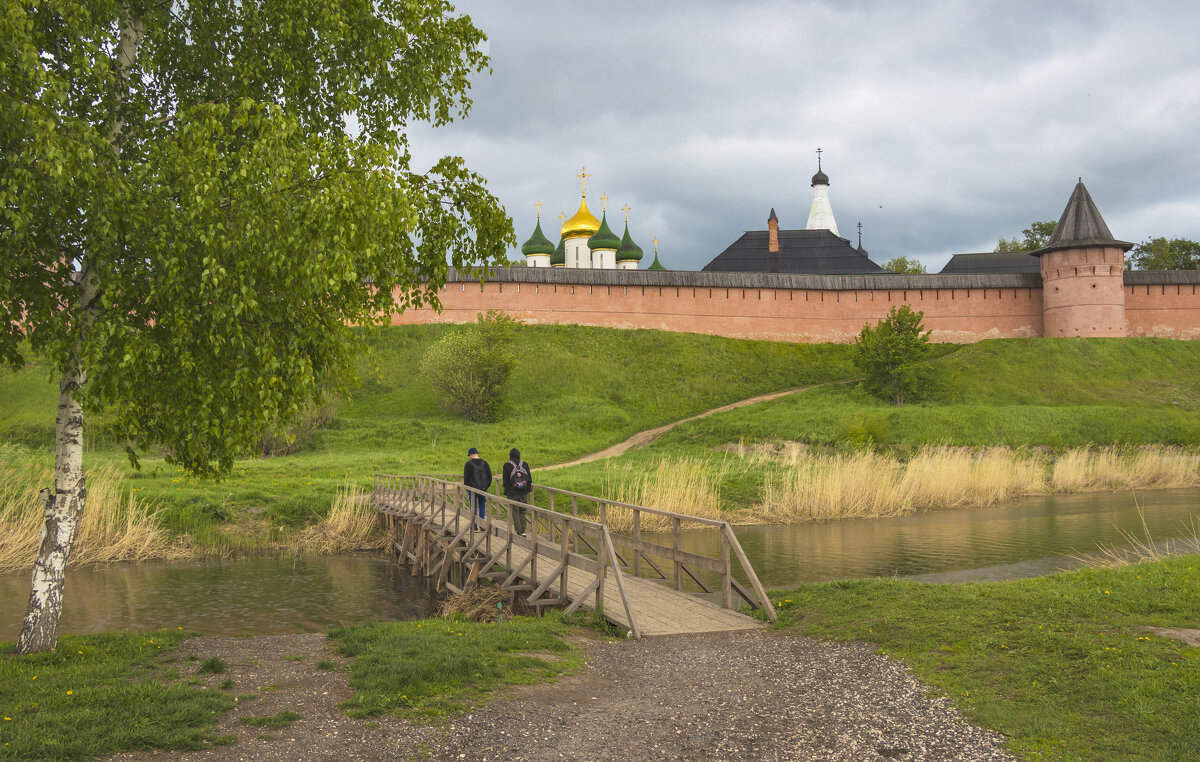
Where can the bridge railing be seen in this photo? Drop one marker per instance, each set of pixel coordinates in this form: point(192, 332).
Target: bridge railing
point(634, 532)
point(494, 540)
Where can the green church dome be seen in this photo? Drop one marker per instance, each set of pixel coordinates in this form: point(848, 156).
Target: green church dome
point(538, 243)
point(604, 238)
point(559, 257)
point(656, 265)
point(629, 251)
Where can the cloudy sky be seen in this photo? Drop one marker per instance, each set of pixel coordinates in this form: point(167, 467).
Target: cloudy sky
point(944, 125)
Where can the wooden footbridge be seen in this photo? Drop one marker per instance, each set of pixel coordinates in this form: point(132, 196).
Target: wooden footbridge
point(615, 561)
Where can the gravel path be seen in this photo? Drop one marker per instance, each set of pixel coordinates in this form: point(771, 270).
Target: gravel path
point(725, 696)
point(644, 438)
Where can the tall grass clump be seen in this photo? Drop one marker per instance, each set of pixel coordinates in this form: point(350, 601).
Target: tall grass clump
point(1114, 468)
point(864, 484)
point(687, 485)
point(352, 524)
point(115, 525)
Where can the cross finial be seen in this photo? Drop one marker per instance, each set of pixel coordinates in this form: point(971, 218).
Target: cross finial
point(655, 240)
point(626, 210)
point(818, 158)
point(562, 218)
point(860, 235)
point(604, 203)
point(538, 205)
point(583, 176)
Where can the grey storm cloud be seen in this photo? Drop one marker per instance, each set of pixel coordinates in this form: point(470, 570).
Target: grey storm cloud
point(944, 125)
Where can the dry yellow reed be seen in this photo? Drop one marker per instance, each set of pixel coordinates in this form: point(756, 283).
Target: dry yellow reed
point(352, 524)
point(115, 525)
point(688, 485)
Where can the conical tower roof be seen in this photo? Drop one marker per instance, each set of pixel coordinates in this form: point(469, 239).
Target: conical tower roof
point(538, 243)
point(604, 237)
point(559, 257)
point(1080, 225)
point(629, 251)
point(583, 224)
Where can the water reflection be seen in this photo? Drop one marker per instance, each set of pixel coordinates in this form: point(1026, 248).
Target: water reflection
point(260, 596)
point(1031, 537)
point(271, 595)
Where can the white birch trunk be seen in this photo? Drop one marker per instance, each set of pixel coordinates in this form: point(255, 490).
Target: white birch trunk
point(64, 507)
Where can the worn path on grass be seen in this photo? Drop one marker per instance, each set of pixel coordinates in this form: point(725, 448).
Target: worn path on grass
point(724, 696)
point(644, 438)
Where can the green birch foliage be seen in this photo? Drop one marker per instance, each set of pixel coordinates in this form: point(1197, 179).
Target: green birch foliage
point(241, 193)
point(471, 367)
point(890, 354)
point(1163, 254)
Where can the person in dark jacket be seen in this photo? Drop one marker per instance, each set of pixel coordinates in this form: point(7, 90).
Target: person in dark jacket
point(518, 483)
point(478, 474)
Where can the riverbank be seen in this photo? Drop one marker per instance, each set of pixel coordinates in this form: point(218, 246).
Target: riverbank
point(1089, 664)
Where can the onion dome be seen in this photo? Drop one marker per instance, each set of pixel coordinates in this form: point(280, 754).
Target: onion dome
point(559, 257)
point(656, 265)
point(629, 251)
point(604, 238)
point(820, 178)
point(538, 243)
point(583, 224)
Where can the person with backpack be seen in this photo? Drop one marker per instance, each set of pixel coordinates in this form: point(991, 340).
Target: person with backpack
point(518, 483)
point(478, 474)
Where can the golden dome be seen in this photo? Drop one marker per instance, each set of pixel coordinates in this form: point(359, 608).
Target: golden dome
point(583, 224)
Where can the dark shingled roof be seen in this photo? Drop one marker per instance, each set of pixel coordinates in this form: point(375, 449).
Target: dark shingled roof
point(817, 252)
point(993, 262)
point(1080, 225)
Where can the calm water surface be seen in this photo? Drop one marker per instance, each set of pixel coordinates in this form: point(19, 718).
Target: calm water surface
point(1022, 539)
point(259, 596)
point(271, 595)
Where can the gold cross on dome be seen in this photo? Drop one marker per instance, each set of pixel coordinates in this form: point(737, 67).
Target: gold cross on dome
point(583, 176)
point(655, 240)
point(626, 210)
point(604, 203)
point(538, 205)
point(562, 218)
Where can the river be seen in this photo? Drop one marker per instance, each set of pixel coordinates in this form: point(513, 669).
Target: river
point(263, 596)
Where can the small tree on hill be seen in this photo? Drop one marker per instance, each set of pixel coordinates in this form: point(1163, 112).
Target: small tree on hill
point(890, 353)
point(471, 367)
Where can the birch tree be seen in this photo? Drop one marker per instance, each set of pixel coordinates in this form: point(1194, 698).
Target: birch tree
point(198, 203)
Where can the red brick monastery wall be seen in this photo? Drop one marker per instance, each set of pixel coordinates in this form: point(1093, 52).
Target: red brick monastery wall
point(958, 308)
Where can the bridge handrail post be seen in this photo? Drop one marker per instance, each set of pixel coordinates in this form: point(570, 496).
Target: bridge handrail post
point(564, 548)
point(574, 514)
point(602, 571)
point(637, 537)
point(726, 573)
point(633, 625)
point(759, 591)
point(677, 531)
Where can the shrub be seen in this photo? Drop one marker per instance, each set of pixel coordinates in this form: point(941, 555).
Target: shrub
point(471, 367)
point(890, 354)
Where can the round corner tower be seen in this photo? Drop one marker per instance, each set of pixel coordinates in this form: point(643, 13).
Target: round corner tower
point(1083, 274)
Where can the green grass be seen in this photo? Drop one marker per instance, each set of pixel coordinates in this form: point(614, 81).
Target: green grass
point(581, 389)
point(101, 694)
point(213, 665)
point(437, 666)
point(1062, 664)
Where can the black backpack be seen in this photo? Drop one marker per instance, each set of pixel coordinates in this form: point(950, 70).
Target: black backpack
point(520, 477)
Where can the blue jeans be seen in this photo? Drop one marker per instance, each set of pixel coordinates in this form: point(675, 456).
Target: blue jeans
point(480, 503)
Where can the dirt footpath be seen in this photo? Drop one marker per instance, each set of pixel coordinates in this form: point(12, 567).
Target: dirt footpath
point(731, 696)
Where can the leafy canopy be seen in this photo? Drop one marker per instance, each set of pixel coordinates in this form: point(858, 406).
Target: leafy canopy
point(1161, 254)
point(233, 178)
point(890, 354)
point(1033, 237)
point(905, 265)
